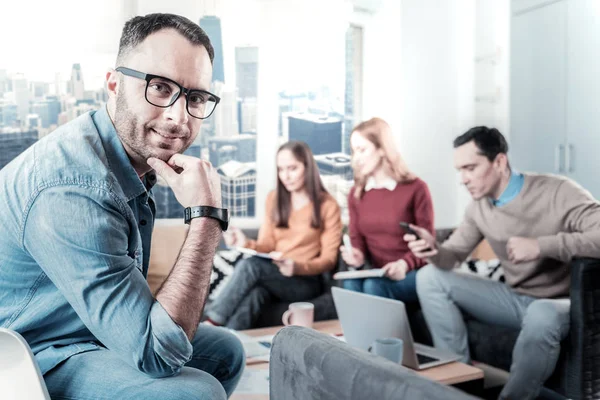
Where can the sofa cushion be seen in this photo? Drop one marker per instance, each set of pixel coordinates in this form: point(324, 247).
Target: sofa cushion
point(223, 266)
point(167, 239)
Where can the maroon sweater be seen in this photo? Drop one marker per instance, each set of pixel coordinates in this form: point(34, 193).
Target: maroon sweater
point(375, 221)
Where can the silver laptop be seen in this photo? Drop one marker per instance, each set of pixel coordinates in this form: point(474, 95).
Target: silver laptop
point(365, 318)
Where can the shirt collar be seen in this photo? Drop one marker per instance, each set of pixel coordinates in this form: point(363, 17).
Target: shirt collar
point(515, 184)
point(388, 183)
point(118, 161)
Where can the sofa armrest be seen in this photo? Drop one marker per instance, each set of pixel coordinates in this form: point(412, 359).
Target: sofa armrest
point(581, 372)
point(306, 364)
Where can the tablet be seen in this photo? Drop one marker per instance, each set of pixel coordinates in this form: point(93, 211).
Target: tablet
point(251, 252)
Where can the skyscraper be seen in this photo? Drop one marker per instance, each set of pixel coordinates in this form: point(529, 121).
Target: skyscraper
point(338, 164)
point(225, 116)
point(322, 134)
point(76, 87)
point(21, 91)
point(167, 205)
point(4, 82)
point(241, 148)
point(212, 26)
point(246, 71)
point(247, 114)
point(10, 115)
point(238, 188)
point(352, 95)
point(48, 110)
point(13, 144)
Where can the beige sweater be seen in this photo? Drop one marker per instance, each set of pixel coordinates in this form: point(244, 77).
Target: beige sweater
point(563, 216)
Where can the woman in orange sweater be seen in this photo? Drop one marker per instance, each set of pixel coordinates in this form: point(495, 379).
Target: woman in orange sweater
point(302, 232)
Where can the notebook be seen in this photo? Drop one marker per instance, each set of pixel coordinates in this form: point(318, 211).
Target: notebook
point(360, 274)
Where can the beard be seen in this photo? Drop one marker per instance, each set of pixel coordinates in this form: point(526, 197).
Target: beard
point(135, 134)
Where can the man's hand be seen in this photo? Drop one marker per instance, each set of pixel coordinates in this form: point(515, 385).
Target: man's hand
point(522, 250)
point(396, 270)
point(198, 183)
point(424, 247)
point(286, 266)
point(353, 257)
point(234, 237)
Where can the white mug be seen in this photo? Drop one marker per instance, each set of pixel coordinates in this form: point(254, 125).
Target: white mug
point(300, 314)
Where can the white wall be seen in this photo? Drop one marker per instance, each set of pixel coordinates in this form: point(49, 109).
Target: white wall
point(418, 76)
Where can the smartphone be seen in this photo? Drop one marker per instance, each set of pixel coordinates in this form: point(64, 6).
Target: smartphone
point(409, 230)
point(347, 243)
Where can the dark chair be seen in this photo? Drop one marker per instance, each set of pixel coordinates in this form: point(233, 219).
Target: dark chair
point(577, 375)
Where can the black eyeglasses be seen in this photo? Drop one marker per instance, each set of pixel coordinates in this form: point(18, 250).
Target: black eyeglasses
point(164, 92)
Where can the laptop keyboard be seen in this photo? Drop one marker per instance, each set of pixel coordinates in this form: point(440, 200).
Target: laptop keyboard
point(423, 359)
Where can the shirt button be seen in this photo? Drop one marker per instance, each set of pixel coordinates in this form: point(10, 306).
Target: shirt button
point(143, 222)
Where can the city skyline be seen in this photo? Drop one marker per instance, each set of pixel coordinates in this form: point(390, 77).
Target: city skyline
point(228, 137)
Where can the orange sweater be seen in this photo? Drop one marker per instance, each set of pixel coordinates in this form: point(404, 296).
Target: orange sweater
point(314, 250)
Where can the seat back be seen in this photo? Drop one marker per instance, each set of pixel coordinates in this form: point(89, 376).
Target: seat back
point(20, 376)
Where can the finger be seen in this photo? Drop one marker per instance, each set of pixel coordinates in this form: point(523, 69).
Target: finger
point(409, 238)
point(163, 169)
point(420, 231)
point(426, 254)
point(420, 246)
point(181, 160)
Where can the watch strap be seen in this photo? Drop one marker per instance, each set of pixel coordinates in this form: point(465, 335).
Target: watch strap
point(220, 214)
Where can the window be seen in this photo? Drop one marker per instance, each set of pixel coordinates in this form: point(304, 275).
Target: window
point(312, 91)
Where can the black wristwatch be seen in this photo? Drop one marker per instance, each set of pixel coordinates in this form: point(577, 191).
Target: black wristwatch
point(220, 214)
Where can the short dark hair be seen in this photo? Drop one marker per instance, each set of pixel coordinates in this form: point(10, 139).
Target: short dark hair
point(139, 28)
point(489, 141)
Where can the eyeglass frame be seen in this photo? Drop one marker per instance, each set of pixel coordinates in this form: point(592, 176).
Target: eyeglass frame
point(182, 89)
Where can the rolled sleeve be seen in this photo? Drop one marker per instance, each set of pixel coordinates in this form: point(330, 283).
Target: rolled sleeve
point(171, 342)
point(83, 243)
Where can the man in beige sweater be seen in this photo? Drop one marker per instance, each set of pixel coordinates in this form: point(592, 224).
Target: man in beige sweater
point(535, 224)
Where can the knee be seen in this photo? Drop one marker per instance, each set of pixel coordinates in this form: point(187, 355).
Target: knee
point(190, 384)
point(426, 279)
point(374, 287)
point(545, 320)
point(233, 355)
point(355, 285)
point(247, 266)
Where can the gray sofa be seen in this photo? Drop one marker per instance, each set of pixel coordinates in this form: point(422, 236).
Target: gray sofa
point(306, 364)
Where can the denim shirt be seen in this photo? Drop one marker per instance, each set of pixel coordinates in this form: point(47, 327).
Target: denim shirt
point(76, 223)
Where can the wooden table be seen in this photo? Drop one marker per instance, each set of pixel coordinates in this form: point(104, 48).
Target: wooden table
point(457, 374)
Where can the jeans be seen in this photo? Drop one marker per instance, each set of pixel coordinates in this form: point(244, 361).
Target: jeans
point(213, 372)
point(404, 290)
point(544, 323)
point(255, 282)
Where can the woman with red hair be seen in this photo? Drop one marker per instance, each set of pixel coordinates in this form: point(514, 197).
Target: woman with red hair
point(384, 194)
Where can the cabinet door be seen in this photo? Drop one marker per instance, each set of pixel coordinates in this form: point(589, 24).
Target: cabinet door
point(583, 93)
point(538, 88)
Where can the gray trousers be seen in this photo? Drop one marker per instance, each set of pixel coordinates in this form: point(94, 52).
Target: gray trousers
point(255, 283)
point(543, 323)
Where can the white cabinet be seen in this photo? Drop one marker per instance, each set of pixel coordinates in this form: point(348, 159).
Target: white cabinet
point(555, 89)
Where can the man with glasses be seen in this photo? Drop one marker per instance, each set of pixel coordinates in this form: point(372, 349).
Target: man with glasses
point(77, 213)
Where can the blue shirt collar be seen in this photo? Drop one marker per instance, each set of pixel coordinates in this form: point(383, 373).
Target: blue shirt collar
point(515, 184)
point(118, 160)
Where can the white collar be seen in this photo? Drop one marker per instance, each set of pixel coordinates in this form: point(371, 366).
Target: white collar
point(388, 183)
